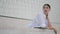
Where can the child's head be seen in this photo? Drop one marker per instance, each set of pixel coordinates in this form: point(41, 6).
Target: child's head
point(46, 8)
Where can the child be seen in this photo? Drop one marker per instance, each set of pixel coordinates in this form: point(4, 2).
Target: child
point(42, 20)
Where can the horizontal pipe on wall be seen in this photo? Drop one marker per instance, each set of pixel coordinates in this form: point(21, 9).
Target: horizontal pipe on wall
point(15, 17)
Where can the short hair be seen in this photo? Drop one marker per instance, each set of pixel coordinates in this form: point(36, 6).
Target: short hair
point(46, 5)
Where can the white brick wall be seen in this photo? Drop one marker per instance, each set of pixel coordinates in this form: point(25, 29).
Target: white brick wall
point(29, 8)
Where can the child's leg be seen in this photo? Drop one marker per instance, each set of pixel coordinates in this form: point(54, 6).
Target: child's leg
point(52, 28)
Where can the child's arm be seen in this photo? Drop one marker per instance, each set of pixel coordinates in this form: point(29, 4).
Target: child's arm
point(50, 26)
point(49, 23)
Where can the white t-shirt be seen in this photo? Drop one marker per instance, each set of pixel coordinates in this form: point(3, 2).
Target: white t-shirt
point(39, 21)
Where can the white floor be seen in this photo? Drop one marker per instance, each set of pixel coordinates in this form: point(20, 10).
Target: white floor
point(8, 31)
point(16, 26)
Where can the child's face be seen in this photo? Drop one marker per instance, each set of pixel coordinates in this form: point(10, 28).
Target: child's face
point(46, 10)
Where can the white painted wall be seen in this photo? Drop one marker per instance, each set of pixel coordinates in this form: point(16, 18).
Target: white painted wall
point(29, 8)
